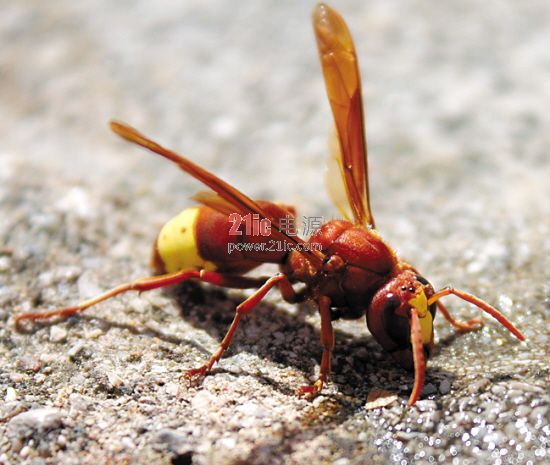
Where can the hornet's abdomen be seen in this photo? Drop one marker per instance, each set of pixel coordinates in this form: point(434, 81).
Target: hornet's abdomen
point(176, 247)
point(203, 238)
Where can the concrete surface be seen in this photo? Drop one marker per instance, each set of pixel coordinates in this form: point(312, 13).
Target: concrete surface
point(457, 106)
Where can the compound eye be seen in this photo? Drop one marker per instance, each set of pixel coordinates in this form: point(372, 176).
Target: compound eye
point(392, 304)
point(397, 327)
point(422, 280)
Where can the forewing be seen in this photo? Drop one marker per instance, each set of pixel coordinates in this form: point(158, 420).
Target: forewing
point(343, 84)
point(227, 192)
point(334, 178)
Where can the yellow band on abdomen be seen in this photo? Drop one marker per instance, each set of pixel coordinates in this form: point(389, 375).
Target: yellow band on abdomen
point(177, 245)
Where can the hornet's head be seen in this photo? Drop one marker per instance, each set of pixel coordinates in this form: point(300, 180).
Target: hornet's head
point(401, 320)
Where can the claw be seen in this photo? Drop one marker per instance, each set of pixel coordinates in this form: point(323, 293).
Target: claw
point(309, 392)
point(471, 325)
point(196, 374)
point(64, 312)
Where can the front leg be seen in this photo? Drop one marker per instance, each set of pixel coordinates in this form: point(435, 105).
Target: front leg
point(327, 342)
point(462, 326)
point(479, 303)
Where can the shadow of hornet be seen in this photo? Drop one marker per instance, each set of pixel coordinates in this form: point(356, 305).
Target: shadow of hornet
point(359, 362)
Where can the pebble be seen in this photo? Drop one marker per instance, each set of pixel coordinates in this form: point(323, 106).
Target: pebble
point(318, 401)
point(426, 405)
point(429, 389)
point(202, 401)
point(228, 442)
point(158, 369)
point(517, 397)
point(341, 461)
point(524, 387)
point(11, 395)
point(498, 390)
point(115, 381)
point(58, 334)
point(138, 305)
point(73, 352)
point(171, 438)
point(492, 412)
point(405, 436)
point(94, 334)
point(17, 377)
point(252, 409)
point(87, 285)
point(478, 431)
point(5, 264)
point(25, 451)
point(538, 413)
point(29, 364)
point(496, 438)
point(445, 386)
point(510, 430)
point(172, 389)
point(35, 421)
point(224, 127)
point(77, 201)
point(127, 442)
point(478, 386)
point(48, 358)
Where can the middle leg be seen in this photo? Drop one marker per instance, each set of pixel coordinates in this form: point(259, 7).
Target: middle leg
point(244, 308)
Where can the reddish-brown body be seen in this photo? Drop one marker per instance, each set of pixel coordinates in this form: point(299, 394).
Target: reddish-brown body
point(357, 264)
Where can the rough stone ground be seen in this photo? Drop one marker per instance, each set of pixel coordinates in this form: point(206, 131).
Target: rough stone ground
point(457, 99)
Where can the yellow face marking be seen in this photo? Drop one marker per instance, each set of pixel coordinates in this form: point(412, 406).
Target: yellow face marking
point(426, 325)
point(420, 303)
point(177, 244)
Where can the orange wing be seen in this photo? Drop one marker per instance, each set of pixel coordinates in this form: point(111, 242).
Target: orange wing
point(343, 84)
point(231, 195)
point(214, 201)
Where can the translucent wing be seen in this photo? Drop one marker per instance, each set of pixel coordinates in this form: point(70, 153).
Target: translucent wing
point(214, 201)
point(343, 84)
point(232, 196)
point(334, 178)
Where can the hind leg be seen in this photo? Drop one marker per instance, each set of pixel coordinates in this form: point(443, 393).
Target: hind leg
point(141, 285)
